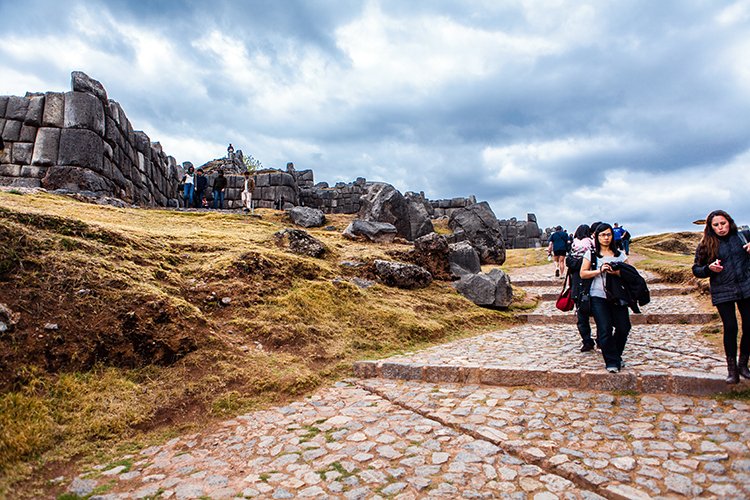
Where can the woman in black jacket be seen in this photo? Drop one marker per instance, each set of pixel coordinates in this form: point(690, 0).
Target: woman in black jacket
point(722, 256)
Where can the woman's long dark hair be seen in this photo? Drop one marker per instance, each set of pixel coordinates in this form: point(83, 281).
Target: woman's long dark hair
point(708, 248)
point(582, 232)
point(603, 226)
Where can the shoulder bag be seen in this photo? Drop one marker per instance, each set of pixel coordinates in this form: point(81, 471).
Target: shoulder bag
point(565, 301)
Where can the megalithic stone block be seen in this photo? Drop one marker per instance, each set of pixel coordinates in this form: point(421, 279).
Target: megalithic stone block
point(54, 110)
point(35, 111)
point(17, 108)
point(81, 147)
point(84, 111)
point(46, 146)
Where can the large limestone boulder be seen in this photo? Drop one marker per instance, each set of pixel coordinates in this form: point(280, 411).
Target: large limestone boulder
point(76, 179)
point(432, 251)
point(378, 232)
point(402, 275)
point(486, 289)
point(482, 229)
point(463, 259)
point(300, 242)
point(81, 82)
point(383, 203)
point(307, 216)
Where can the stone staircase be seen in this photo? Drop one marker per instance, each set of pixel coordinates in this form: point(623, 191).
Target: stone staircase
point(666, 352)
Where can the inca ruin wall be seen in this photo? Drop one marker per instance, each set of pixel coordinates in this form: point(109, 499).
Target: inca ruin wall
point(82, 141)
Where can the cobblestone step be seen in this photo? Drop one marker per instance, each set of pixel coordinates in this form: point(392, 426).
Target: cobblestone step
point(687, 383)
point(635, 319)
point(551, 293)
point(619, 445)
point(343, 442)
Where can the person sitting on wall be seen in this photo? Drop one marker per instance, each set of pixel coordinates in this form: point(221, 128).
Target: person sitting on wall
point(201, 183)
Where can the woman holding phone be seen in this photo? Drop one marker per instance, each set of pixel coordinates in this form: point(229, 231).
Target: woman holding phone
point(722, 256)
point(611, 316)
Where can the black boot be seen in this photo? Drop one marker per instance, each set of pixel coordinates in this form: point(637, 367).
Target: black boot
point(742, 365)
point(733, 376)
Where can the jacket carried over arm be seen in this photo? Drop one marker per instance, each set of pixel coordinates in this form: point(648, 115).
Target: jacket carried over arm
point(733, 283)
point(629, 287)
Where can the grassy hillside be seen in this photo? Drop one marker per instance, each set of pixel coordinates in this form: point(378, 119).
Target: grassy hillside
point(136, 324)
point(671, 255)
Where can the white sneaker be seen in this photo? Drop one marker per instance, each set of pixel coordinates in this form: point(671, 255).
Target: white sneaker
point(613, 369)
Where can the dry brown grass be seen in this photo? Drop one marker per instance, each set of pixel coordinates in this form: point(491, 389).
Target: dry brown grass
point(144, 347)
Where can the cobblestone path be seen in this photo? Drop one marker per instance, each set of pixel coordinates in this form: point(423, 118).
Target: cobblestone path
point(519, 413)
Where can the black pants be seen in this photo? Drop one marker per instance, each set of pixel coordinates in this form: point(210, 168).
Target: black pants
point(612, 329)
point(729, 319)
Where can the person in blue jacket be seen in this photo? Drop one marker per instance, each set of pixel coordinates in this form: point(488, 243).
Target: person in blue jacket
point(558, 247)
point(722, 257)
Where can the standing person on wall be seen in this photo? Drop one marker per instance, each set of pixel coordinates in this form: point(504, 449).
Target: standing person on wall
point(188, 191)
point(247, 192)
point(722, 256)
point(220, 184)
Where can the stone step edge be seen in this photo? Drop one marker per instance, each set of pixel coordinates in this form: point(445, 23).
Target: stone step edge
point(645, 382)
point(558, 282)
point(635, 319)
point(572, 471)
point(659, 292)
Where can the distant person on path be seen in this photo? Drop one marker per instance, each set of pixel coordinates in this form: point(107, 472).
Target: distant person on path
point(617, 232)
point(722, 256)
point(220, 184)
point(558, 247)
point(188, 191)
point(247, 193)
point(611, 316)
point(201, 183)
point(582, 243)
point(626, 241)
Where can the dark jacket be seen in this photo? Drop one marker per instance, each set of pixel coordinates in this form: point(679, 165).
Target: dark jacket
point(733, 283)
point(559, 241)
point(220, 183)
point(200, 183)
point(629, 288)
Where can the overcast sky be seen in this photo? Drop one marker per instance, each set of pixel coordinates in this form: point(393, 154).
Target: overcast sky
point(629, 111)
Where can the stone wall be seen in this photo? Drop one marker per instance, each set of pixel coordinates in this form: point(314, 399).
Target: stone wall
point(82, 141)
point(521, 234)
point(444, 208)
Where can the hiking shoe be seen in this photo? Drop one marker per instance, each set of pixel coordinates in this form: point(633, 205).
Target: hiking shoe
point(613, 369)
point(586, 347)
point(557, 273)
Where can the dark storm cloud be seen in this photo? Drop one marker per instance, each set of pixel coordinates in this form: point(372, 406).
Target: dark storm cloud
point(548, 107)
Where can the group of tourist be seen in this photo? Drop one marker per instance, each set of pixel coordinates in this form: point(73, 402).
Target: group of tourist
point(194, 185)
point(605, 286)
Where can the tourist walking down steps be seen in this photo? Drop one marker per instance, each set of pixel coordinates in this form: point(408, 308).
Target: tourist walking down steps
point(611, 315)
point(722, 256)
point(582, 243)
point(558, 246)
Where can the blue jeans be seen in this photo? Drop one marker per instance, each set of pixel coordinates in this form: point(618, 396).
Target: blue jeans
point(612, 328)
point(218, 199)
point(187, 194)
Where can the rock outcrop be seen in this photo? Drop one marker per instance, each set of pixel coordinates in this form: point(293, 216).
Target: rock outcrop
point(307, 217)
point(299, 242)
point(479, 226)
point(383, 203)
point(402, 275)
point(377, 232)
point(486, 289)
